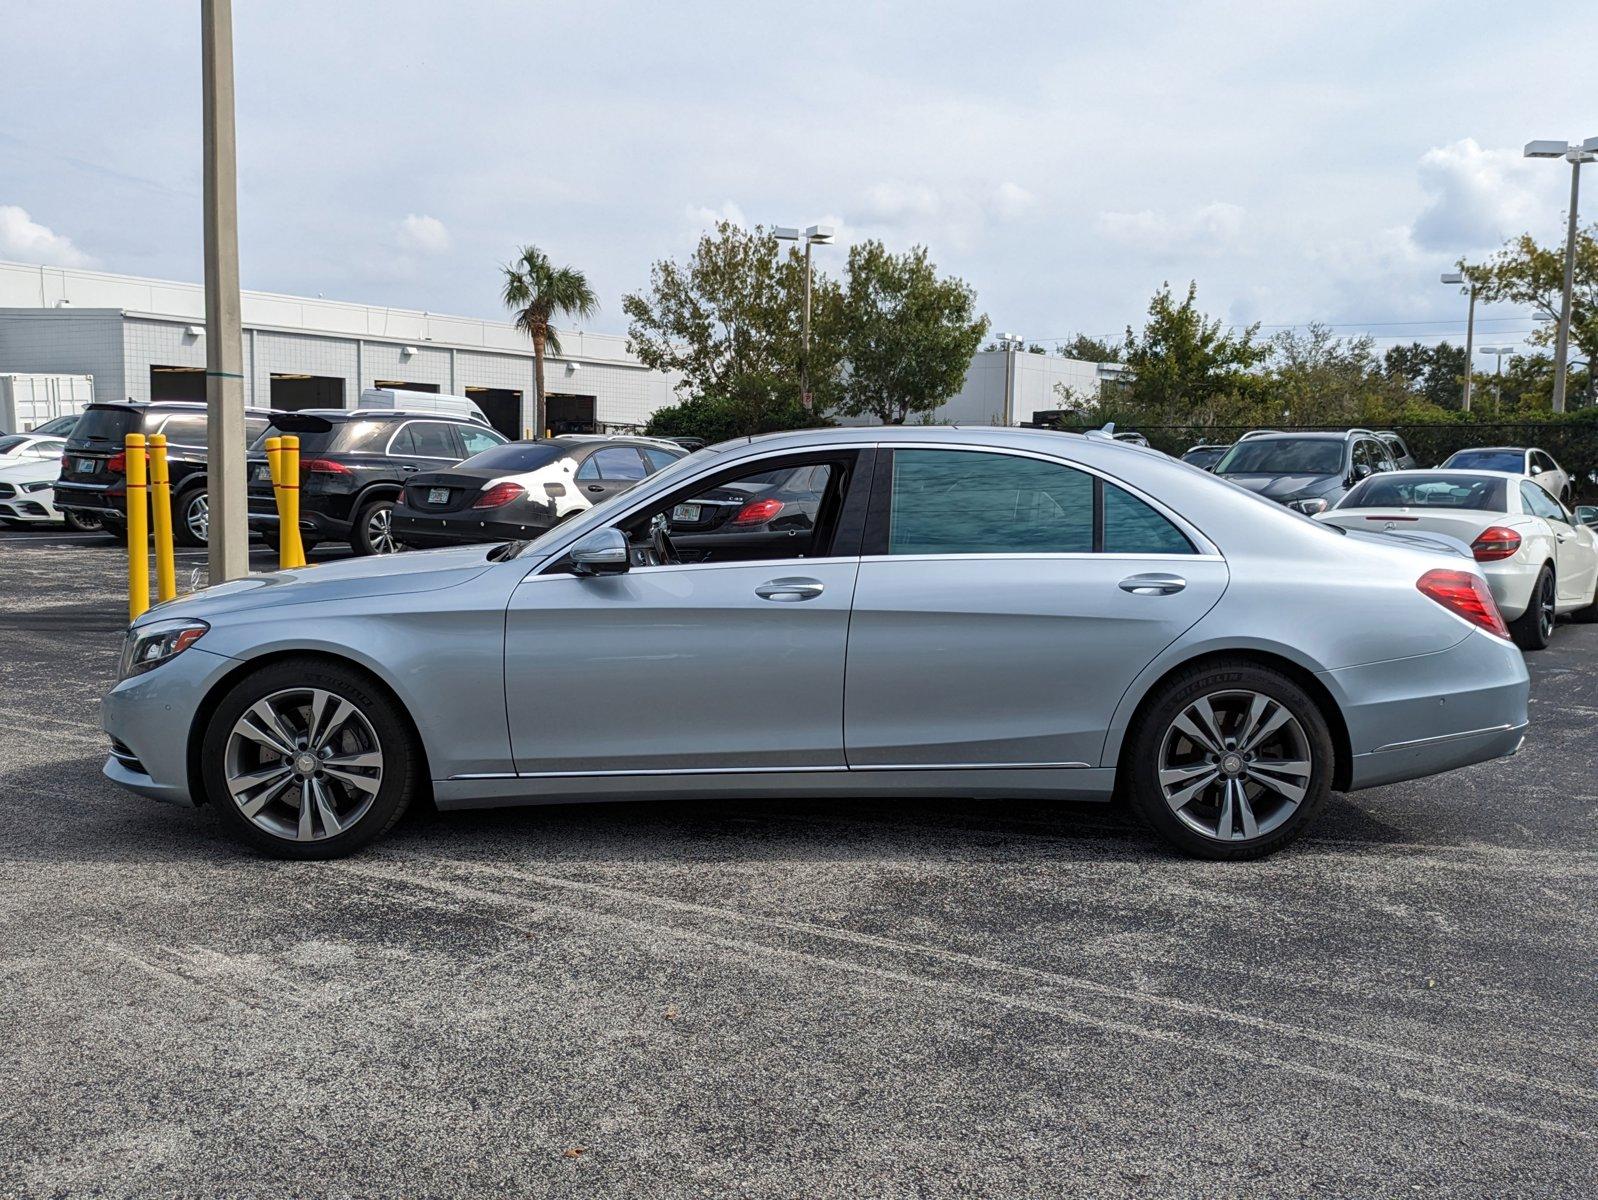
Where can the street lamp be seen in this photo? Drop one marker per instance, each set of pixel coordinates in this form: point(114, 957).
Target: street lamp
point(1497, 352)
point(815, 235)
point(1011, 344)
point(1458, 277)
point(1575, 156)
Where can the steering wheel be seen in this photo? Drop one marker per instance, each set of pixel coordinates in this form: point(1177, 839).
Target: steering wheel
point(663, 552)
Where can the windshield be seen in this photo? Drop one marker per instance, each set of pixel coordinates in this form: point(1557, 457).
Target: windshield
point(602, 510)
point(1283, 456)
point(1488, 460)
point(517, 456)
point(11, 441)
point(60, 427)
point(1478, 492)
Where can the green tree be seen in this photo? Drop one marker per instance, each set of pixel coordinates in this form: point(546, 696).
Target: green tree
point(1525, 272)
point(1435, 374)
point(905, 334)
point(1090, 349)
point(538, 292)
point(1186, 367)
point(1316, 378)
point(730, 320)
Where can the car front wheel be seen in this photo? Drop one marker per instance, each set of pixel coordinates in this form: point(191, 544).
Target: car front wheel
point(306, 759)
point(1229, 761)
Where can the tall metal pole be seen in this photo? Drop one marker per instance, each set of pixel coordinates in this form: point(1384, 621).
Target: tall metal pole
point(1562, 338)
point(804, 354)
point(228, 553)
point(1498, 386)
point(1470, 346)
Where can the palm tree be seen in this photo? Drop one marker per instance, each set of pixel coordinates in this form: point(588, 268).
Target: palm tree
point(537, 291)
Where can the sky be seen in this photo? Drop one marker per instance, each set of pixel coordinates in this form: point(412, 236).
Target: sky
point(1301, 161)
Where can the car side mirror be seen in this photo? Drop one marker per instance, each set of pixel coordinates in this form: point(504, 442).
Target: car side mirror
point(1535, 469)
point(1362, 470)
point(603, 552)
point(1587, 514)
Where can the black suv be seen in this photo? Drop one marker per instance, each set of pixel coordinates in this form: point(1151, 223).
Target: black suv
point(354, 464)
point(1308, 472)
point(94, 486)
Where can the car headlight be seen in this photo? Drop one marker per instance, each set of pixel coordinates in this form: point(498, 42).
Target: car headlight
point(148, 646)
point(1308, 507)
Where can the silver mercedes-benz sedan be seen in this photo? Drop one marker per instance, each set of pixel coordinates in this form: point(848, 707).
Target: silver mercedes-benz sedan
point(969, 612)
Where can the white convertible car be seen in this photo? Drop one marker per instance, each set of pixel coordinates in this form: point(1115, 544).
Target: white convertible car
point(1538, 558)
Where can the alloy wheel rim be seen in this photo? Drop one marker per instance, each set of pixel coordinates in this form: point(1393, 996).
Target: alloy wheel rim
point(303, 764)
point(198, 516)
point(1546, 606)
point(380, 530)
point(1235, 765)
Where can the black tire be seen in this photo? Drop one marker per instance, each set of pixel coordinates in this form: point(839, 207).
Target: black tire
point(82, 522)
point(364, 538)
point(1147, 741)
point(182, 535)
point(1533, 629)
point(269, 536)
point(402, 766)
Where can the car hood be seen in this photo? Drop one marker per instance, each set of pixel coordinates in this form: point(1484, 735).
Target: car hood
point(1284, 487)
point(377, 575)
point(29, 470)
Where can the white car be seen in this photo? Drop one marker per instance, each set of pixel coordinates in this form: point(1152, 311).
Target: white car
point(27, 490)
point(1539, 560)
point(1535, 464)
point(30, 447)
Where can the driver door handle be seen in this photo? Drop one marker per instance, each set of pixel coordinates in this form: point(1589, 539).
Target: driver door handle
point(1153, 584)
point(596, 487)
point(790, 590)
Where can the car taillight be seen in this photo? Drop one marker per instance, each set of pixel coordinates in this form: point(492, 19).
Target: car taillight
point(500, 494)
point(322, 466)
point(757, 512)
point(1495, 543)
point(1465, 595)
point(118, 462)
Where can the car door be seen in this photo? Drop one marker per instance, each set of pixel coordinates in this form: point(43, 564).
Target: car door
point(702, 667)
point(609, 470)
point(1005, 602)
point(1548, 473)
point(1575, 560)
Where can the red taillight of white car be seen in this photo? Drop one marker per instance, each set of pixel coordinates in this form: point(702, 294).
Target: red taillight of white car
point(757, 512)
point(1495, 543)
point(1465, 595)
point(500, 495)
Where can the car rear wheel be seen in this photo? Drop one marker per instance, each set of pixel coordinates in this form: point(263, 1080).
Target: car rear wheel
point(1229, 761)
point(1534, 628)
point(307, 542)
point(191, 518)
point(82, 522)
point(117, 529)
point(373, 530)
point(308, 760)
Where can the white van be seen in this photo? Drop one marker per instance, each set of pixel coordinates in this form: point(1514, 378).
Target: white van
point(461, 407)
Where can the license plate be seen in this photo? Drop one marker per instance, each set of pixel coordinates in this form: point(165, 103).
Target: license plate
point(685, 512)
point(262, 472)
point(87, 466)
point(438, 495)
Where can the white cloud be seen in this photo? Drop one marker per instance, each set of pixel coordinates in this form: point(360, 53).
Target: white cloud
point(25, 240)
point(1212, 228)
point(1479, 197)
point(703, 219)
point(1011, 200)
point(426, 235)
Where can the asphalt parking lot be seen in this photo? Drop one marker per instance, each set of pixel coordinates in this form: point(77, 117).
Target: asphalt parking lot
point(807, 1000)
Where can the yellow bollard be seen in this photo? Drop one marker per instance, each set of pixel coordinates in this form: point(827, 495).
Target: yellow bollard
point(166, 580)
point(138, 529)
point(274, 465)
point(290, 525)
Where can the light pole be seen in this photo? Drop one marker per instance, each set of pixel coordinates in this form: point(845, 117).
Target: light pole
point(228, 551)
point(815, 235)
point(1575, 156)
point(1498, 352)
point(1458, 277)
point(1010, 343)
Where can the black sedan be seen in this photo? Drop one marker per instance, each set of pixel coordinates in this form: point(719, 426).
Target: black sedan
point(521, 489)
point(769, 515)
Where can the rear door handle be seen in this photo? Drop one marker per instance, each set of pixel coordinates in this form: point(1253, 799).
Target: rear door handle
point(1153, 584)
point(790, 590)
point(596, 487)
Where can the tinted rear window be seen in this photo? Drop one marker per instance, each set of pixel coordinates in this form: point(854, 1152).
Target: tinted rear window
point(106, 425)
point(1489, 460)
point(1481, 492)
point(186, 429)
point(517, 456)
point(310, 443)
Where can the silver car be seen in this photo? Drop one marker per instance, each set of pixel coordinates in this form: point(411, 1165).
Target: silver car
point(979, 613)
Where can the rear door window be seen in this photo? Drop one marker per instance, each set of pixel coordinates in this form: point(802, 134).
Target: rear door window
point(970, 502)
point(433, 439)
point(614, 463)
point(475, 439)
point(184, 429)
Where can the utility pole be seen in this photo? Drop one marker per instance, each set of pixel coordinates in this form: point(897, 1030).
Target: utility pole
point(1470, 330)
point(1575, 155)
point(228, 552)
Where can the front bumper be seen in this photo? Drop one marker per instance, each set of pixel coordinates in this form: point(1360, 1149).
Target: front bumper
point(1420, 716)
point(149, 718)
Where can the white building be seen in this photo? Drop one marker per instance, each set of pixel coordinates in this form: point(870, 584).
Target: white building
point(144, 339)
point(1012, 387)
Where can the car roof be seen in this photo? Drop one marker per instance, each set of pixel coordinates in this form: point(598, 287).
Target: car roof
point(196, 406)
point(1493, 450)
